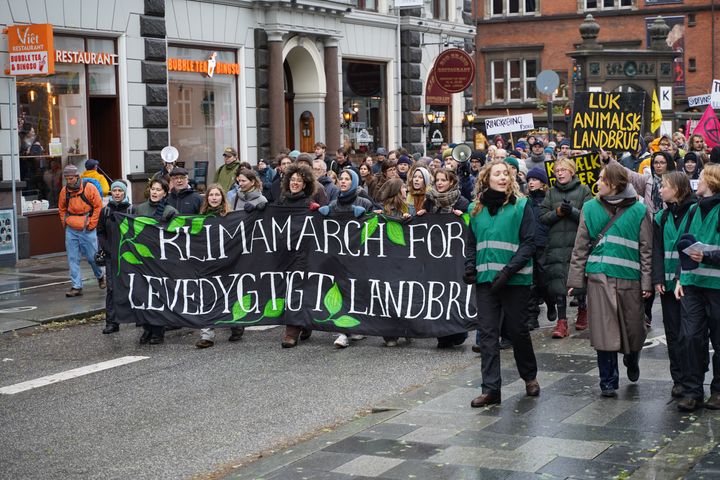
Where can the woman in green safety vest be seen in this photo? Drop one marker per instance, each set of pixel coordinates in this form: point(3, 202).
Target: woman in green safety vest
point(670, 223)
point(699, 293)
point(498, 258)
point(613, 257)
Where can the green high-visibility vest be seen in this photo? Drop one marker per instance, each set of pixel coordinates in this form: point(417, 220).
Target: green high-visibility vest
point(498, 238)
point(617, 254)
point(705, 231)
point(671, 235)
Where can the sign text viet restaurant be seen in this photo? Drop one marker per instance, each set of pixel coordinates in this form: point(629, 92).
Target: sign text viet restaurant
point(30, 49)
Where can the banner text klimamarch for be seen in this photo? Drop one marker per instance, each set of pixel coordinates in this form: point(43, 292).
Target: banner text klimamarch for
point(375, 275)
point(607, 121)
point(587, 169)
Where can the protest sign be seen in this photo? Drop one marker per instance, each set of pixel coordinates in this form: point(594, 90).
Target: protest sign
point(715, 94)
point(375, 275)
point(587, 169)
point(709, 127)
point(608, 121)
point(513, 123)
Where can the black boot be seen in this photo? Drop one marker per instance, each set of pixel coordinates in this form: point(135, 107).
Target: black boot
point(147, 333)
point(111, 328)
point(157, 336)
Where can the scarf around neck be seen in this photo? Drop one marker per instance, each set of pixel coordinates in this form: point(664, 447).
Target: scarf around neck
point(444, 201)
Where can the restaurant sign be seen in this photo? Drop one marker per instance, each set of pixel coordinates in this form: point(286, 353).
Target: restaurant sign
point(207, 67)
point(454, 70)
point(30, 49)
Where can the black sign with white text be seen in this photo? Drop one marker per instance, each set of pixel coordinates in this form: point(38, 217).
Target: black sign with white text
point(374, 275)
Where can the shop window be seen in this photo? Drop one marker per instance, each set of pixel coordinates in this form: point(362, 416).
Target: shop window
point(513, 80)
point(52, 125)
point(513, 7)
point(607, 4)
point(101, 79)
point(203, 108)
point(365, 99)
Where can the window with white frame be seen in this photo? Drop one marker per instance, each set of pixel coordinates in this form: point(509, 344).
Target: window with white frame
point(439, 9)
point(513, 80)
point(513, 7)
point(562, 91)
point(607, 4)
point(184, 102)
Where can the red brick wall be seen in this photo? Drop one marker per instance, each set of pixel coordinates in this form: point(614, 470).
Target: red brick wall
point(559, 35)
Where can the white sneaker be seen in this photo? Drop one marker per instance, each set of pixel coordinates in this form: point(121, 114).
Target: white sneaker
point(391, 343)
point(341, 341)
point(357, 337)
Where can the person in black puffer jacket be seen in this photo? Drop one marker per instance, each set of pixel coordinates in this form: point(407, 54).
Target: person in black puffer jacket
point(182, 197)
point(118, 203)
point(560, 211)
point(537, 190)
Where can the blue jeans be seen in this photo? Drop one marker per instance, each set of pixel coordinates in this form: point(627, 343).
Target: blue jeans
point(78, 244)
point(608, 367)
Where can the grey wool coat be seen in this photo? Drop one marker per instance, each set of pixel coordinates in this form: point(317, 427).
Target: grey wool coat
point(616, 313)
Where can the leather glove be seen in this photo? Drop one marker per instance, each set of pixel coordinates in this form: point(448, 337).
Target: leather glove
point(566, 207)
point(314, 206)
point(324, 210)
point(358, 211)
point(469, 276)
point(249, 207)
point(261, 206)
point(499, 281)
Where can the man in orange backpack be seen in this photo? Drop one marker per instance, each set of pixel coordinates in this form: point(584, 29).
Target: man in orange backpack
point(80, 205)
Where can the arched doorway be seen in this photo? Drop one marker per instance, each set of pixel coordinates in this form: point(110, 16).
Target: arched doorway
point(305, 91)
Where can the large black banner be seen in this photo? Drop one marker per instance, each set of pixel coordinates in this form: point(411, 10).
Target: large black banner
point(374, 275)
point(608, 121)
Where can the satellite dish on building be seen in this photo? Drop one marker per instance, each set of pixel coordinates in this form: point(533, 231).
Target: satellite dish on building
point(169, 154)
point(547, 82)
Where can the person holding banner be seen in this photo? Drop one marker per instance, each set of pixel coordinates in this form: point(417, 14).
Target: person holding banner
point(156, 207)
point(216, 204)
point(612, 258)
point(670, 223)
point(118, 203)
point(699, 293)
point(560, 211)
point(498, 259)
point(298, 187)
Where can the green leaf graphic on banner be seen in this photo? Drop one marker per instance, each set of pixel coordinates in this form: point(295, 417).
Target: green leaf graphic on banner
point(238, 312)
point(346, 321)
point(143, 250)
point(124, 227)
point(177, 223)
point(368, 229)
point(197, 225)
point(141, 222)
point(247, 302)
point(131, 258)
point(333, 300)
point(274, 312)
point(466, 219)
point(395, 233)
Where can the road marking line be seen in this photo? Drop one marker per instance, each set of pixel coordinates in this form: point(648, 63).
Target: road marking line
point(67, 375)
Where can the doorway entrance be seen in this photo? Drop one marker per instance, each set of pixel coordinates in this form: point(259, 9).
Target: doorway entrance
point(104, 141)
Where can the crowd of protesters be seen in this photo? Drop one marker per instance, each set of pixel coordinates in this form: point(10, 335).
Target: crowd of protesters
point(653, 228)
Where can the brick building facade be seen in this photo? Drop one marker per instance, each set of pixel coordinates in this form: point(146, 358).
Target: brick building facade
point(517, 39)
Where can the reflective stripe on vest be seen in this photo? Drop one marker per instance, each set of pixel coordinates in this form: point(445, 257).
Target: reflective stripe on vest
point(705, 230)
point(671, 235)
point(498, 239)
point(617, 254)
